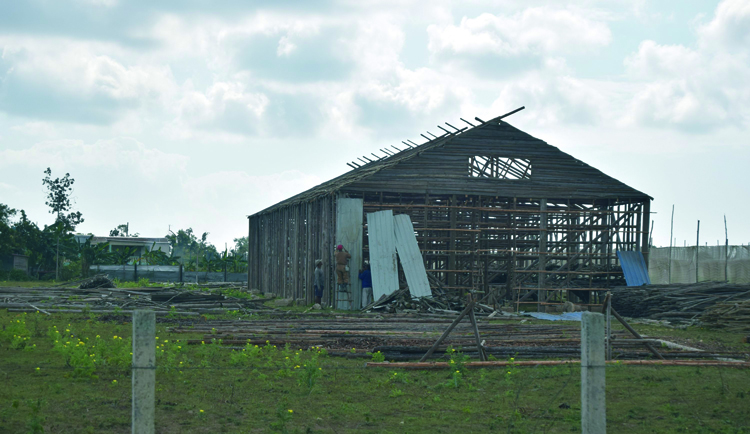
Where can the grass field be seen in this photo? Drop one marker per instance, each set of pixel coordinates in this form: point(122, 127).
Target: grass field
point(70, 373)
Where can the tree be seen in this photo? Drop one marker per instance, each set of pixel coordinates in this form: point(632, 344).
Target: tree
point(58, 198)
point(7, 238)
point(240, 246)
point(187, 246)
point(93, 255)
point(122, 231)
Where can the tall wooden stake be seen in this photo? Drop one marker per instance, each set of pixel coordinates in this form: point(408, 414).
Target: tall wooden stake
point(671, 234)
point(726, 251)
point(542, 256)
point(697, 247)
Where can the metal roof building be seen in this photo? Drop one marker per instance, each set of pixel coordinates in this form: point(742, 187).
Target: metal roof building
point(494, 210)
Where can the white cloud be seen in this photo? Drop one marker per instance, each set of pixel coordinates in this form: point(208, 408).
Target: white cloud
point(222, 191)
point(553, 99)
point(656, 61)
point(87, 82)
point(696, 89)
point(120, 153)
point(224, 105)
point(8, 187)
point(36, 128)
point(80, 67)
point(286, 47)
point(105, 3)
point(536, 31)
point(229, 196)
point(730, 27)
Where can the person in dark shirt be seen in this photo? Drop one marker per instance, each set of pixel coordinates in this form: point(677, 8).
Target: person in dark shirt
point(318, 281)
point(366, 277)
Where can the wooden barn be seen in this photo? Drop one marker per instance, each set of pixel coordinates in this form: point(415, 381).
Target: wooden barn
point(494, 210)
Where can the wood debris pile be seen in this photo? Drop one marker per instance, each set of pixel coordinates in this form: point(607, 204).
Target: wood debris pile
point(441, 302)
point(90, 297)
point(409, 336)
point(676, 302)
point(98, 281)
point(729, 316)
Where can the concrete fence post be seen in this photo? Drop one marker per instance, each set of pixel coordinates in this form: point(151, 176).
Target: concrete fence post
point(144, 371)
point(593, 405)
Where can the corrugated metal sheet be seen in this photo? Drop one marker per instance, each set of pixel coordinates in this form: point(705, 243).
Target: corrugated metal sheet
point(349, 234)
point(382, 240)
point(411, 258)
point(634, 267)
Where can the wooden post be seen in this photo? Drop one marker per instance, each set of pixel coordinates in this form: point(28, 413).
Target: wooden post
point(135, 271)
point(542, 253)
point(480, 348)
point(645, 247)
point(726, 251)
point(250, 246)
point(697, 247)
point(144, 371)
point(57, 260)
point(181, 271)
point(452, 241)
point(593, 404)
point(607, 311)
point(671, 234)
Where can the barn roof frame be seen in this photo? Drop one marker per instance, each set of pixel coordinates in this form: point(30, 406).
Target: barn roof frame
point(367, 168)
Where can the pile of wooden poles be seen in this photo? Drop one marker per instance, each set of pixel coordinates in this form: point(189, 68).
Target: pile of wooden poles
point(676, 302)
point(163, 300)
point(409, 337)
point(729, 316)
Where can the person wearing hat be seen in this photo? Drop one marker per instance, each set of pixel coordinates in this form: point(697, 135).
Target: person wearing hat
point(342, 259)
point(318, 281)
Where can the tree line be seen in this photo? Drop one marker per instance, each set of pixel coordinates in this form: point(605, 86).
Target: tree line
point(55, 252)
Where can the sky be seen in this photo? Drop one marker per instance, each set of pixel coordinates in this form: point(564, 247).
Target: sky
point(177, 114)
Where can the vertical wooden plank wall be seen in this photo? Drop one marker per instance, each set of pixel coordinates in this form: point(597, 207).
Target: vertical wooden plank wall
point(498, 239)
point(283, 245)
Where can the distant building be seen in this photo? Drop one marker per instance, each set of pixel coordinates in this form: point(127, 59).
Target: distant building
point(121, 243)
point(14, 262)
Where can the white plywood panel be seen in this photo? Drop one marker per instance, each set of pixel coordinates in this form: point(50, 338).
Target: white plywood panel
point(349, 216)
point(382, 253)
point(411, 257)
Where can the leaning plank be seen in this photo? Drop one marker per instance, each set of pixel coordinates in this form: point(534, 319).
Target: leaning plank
point(469, 308)
point(636, 334)
point(382, 253)
point(410, 256)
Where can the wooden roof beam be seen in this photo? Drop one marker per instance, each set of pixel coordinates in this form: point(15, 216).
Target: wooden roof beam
point(447, 132)
point(467, 122)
